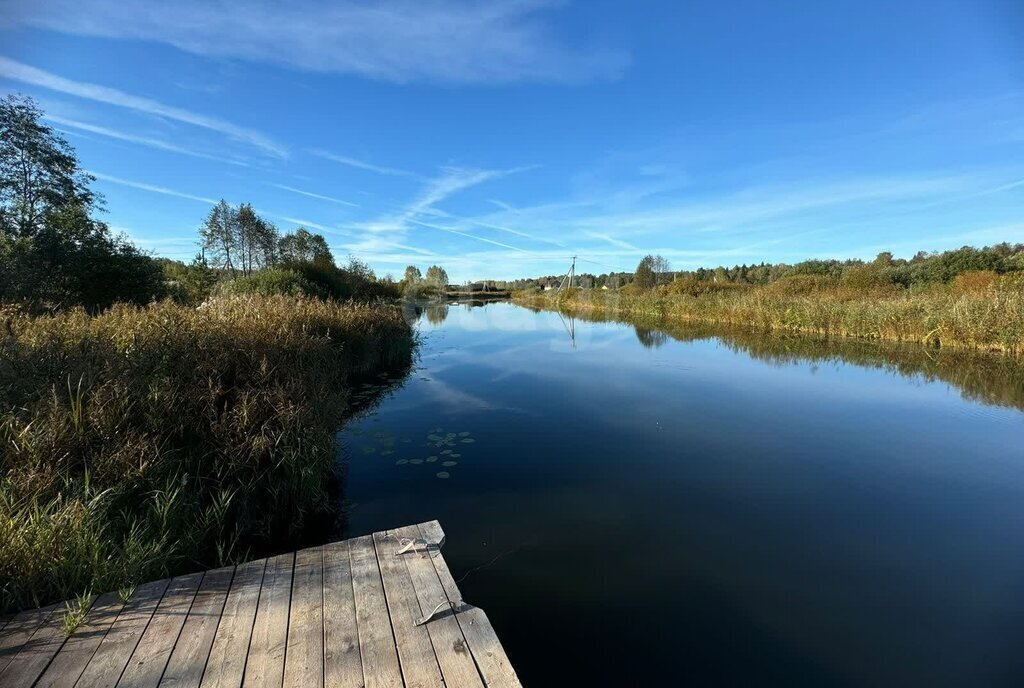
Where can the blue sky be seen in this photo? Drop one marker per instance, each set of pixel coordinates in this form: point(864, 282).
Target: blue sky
point(497, 138)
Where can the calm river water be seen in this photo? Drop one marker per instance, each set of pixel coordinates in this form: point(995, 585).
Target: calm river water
point(638, 507)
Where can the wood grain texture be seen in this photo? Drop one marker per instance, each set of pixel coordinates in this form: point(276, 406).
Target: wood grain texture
point(265, 666)
point(147, 663)
point(188, 660)
point(343, 667)
point(304, 658)
point(111, 657)
point(36, 653)
point(376, 640)
point(226, 665)
point(490, 656)
point(77, 650)
point(19, 630)
point(344, 615)
point(415, 651)
point(453, 655)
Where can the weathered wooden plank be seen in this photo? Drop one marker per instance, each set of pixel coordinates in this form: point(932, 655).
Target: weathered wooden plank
point(483, 642)
point(111, 657)
point(343, 666)
point(453, 655)
point(304, 658)
point(415, 651)
point(73, 657)
point(226, 665)
point(147, 663)
point(19, 630)
point(265, 666)
point(36, 654)
point(376, 640)
point(188, 659)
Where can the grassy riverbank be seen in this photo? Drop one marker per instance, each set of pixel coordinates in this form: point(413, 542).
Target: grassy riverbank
point(149, 440)
point(976, 312)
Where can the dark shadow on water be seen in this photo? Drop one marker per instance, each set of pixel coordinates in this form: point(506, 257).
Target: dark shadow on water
point(366, 395)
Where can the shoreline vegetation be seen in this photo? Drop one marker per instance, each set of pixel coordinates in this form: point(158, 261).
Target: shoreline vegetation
point(146, 441)
point(974, 309)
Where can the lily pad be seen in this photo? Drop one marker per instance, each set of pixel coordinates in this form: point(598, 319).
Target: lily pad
point(401, 462)
point(387, 452)
point(416, 462)
point(444, 475)
point(468, 440)
point(464, 434)
point(446, 451)
point(449, 463)
point(431, 459)
point(368, 450)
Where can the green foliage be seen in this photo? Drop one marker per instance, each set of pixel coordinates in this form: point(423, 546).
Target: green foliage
point(72, 261)
point(272, 282)
point(302, 246)
point(917, 273)
point(39, 173)
point(437, 276)
point(143, 442)
point(52, 253)
point(353, 281)
point(188, 284)
point(644, 277)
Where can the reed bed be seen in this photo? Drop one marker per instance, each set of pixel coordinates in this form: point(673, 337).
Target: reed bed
point(955, 315)
point(146, 441)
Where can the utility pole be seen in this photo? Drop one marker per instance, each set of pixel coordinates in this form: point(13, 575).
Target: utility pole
point(569, 275)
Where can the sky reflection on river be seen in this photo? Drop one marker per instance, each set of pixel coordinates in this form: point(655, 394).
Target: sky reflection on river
point(636, 507)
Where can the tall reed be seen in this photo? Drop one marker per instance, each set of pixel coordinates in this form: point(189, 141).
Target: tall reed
point(990, 318)
point(145, 441)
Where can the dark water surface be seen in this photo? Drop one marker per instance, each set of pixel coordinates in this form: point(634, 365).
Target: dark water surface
point(638, 507)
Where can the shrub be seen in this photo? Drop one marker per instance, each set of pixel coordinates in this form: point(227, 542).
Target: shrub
point(691, 286)
point(800, 285)
point(272, 282)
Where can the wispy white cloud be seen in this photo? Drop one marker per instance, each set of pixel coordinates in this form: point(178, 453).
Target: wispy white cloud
point(468, 235)
point(309, 224)
point(451, 181)
point(154, 188)
point(17, 71)
point(315, 195)
point(455, 41)
point(363, 165)
point(611, 240)
point(143, 186)
point(141, 140)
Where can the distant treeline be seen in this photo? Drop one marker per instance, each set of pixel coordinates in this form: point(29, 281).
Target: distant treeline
point(969, 297)
point(922, 269)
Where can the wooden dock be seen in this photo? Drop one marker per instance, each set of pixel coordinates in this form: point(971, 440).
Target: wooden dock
point(379, 611)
